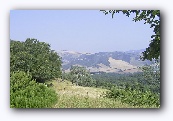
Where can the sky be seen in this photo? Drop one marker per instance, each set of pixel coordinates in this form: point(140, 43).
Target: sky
point(80, 30)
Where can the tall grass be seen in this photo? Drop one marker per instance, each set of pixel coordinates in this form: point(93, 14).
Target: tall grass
point(78, 101)
point(72, 96)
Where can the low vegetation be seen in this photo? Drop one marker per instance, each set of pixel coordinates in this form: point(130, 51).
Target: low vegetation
point(27, 93)
point(135, 97)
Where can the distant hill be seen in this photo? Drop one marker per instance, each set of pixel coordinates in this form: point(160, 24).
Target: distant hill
point(118, 62)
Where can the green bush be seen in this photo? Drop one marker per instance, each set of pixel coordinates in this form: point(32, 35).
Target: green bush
point(135, 97)
point(27, 93)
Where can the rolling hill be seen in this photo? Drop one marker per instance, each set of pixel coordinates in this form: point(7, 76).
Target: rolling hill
point(110, 62)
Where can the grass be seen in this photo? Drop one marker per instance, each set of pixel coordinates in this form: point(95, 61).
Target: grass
point(76, 101)
point(72, 96)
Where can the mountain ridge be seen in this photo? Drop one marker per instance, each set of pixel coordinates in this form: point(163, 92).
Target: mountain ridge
point(109, 62)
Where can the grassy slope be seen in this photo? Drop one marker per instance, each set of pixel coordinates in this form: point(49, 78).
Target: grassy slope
point(72, 96)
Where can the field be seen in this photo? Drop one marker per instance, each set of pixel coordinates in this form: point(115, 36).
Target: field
point(72, 96)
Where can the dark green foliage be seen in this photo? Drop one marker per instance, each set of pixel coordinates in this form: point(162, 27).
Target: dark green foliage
point(151, 17)
point(35, 57)
point(133, 81)
point(26, 93)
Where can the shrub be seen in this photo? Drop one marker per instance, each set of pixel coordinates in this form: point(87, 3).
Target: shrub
point(27, 93)
point(135, 97)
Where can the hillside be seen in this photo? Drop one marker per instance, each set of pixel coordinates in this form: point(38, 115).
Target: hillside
point(117, 62)
point(72, 96)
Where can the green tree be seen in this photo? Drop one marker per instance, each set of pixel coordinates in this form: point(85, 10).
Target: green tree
point(151, 76)
point(81, 76)
point(35, 57)
point(151, 17)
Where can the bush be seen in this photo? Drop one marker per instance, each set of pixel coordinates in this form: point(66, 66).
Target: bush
point(134, 97)
point(27, 93)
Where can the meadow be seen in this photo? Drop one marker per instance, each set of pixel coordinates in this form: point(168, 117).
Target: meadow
point(72, 96)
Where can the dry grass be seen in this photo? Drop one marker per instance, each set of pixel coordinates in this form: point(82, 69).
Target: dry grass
point(72, 96)
point(67, 87)
point(77, 101)
point(116, 66)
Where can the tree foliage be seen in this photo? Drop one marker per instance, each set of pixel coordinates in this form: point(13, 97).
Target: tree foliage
point(151, 17)
point(35, 57)
point(152, 76)
point(129, 81)
point(80, 76)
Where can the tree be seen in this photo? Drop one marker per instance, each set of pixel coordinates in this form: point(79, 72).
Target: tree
point(81, 76)
point(35, 57)
point(151, 17)
point(152, 76)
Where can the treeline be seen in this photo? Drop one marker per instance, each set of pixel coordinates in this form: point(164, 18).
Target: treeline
point(129, 80)
point(82, 77)
point(32, 63)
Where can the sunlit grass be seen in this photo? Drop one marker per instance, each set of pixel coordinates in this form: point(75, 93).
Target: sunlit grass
point(72, 96)
point(77, 101)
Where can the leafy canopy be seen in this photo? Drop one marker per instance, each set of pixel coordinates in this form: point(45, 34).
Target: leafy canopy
point(80, 76)
point(151, 17)
point(35, 57)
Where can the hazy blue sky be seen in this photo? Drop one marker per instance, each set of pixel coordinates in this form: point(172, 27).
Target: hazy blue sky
point(80, 30)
